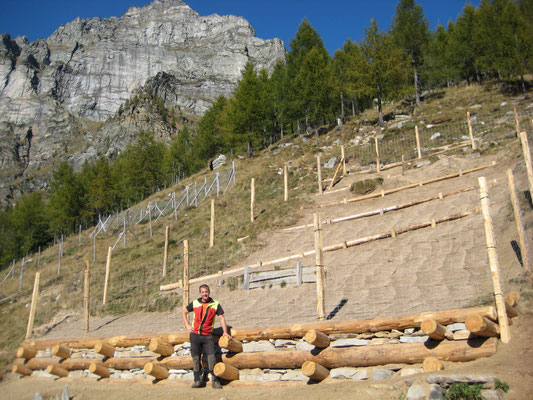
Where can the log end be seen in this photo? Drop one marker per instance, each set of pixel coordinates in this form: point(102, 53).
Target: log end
point(432, 364)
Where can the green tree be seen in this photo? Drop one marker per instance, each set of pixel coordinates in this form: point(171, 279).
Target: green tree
point(180, 156)
point(388, 67)
point(101, 190)
point(462, 52)
point(279, 84)
point(410, 31)
point(30, 223)
point(438, 66)
point(209, 141)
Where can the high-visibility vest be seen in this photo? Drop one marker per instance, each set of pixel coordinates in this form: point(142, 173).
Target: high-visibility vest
point(203, 324)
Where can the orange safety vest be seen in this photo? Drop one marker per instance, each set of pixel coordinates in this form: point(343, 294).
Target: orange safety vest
point(203, 324)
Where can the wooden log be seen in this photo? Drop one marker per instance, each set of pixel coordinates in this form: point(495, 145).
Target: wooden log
point(343, 158)
point(417, 137)
point(212, 225)
point(505, 333)
point(470, 131)
point(432, 364)
point(335, 174)
point(165, 251)
point(156, 371)
point(252, 200)
point(481, 326)
point(26, 353)
point(226, 371)
point(519, 220)
point(34, 298)
point(285, 183)
point(86, 298)
point(232, 345)
point(314, 371)
point(57, 370)
point(178, 338)
point(105, 349)
point(319, 174)
point(433, 329)
point(512, 298)
point(527, 160)
point(320, 276)
point(107, 272)
point(60, 351)
point(99, 370)
point(161, 347)
point(317, 338)
point(511, 312)
point(21, 369)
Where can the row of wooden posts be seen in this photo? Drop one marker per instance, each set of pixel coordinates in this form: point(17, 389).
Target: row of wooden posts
point(479, 321)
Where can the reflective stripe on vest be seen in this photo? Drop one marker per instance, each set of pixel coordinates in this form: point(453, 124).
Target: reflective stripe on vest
point(203, 325)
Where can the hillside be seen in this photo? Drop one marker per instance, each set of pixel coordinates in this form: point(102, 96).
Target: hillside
point(435, 268)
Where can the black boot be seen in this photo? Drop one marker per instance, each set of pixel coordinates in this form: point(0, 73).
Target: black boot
point(199, 382)
point(216, 382)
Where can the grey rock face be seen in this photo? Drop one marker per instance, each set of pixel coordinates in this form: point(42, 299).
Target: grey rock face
point(55, 94)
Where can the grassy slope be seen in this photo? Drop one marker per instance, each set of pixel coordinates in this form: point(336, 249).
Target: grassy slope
point(137, 268)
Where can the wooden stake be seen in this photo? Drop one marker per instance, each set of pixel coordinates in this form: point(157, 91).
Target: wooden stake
point(60, 351)
point(314, 371)
point(232, 345)
point(252, 200)
point(493, 261)
point(212, 226)
point(319, 261)
point(517, 121)
point(285, 183)
point(481, 326)
point(156, 371)
point(186, 274)
point(432, 364)
point(104, 349)
point(319, 174)
point(99, 370)
point(165, 252)
point(107, 271)
point(335, 174)
point(417, 137)
point(226, 371)
point(527, 159)
point(470, 132)
point(433, 329)
point(86, 300)
point(343, 158)
point(161, 347)
point(26, 353)
point(317, 339)
point(519, 219)
point(34, 298)
point(377, 154)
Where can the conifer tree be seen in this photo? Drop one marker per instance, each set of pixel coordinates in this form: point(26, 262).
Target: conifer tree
point(410, 31)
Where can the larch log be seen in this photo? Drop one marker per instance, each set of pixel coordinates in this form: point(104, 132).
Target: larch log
point(314, 371)
point(104, 349)
point(433, 329)
point(156, 371)
point(481, 326)
point(99, 370)
point(57, 371)
point(226, 371)
point(232, 345)
point(432, 364)
point(25, 352)
point(21, 369)
point(161, 347)
point(317, 338)
point(60, 351)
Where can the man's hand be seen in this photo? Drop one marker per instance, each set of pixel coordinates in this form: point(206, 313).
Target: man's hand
point(227, 335)
point(189, 328)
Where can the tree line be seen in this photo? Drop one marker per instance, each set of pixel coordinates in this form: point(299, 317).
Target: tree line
point(306, 90)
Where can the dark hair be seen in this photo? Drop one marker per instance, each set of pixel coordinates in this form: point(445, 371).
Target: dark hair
point(204, 286)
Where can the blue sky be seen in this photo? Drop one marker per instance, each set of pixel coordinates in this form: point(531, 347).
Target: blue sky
point(335, 20)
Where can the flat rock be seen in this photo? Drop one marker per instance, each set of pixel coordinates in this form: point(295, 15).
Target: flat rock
point(342, 373)
point(294, 375)
point(410, 371)
point(458, 326)
point(382, 374)
point(303, 345)
point(284, 343)
point(413, 339)
point(490, 394)
point(459, 378)
point(416, 392)
point(349, 342)
point(254, 347)
point(435, 392)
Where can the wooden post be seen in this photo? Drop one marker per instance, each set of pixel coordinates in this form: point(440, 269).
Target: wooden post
point(150, 219)
point(246, 281)
point(21, 273)
point(165, 251)
point(104, 349)
point(285, 184)
point(317, 338)
point(527, 159)
point(186, 274)
point(335, 175)
point(86, 302)
point(99, 370)
point(156, 371)
point(33, 307)
point(517, 121)
point(493, 261)
point(107, 270)
point(94, 248)
point(519, 219)
point(377, 154)
point(124, 232)
point(343, 161)
point(417, 137)
point(319, 174)
point(314, 371)
point(79, 236)
point(59, 252)
point(298, 273)
point(226, 371)
point(252, 199)
point(212, 226)
point(319, 261)
point(470, 131)
point(39, 258)
point(232, 345)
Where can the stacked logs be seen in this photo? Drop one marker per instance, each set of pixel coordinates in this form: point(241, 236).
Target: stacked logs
point(315, 364)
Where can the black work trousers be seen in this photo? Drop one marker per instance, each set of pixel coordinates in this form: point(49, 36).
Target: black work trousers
point(202, 345)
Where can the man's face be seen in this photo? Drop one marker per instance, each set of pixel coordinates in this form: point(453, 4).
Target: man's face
point(204, 294)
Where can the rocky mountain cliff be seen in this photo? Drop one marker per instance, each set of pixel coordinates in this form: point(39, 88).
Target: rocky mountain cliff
point(59, 96)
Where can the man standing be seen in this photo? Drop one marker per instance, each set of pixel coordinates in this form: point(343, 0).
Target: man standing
point(205, 309)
